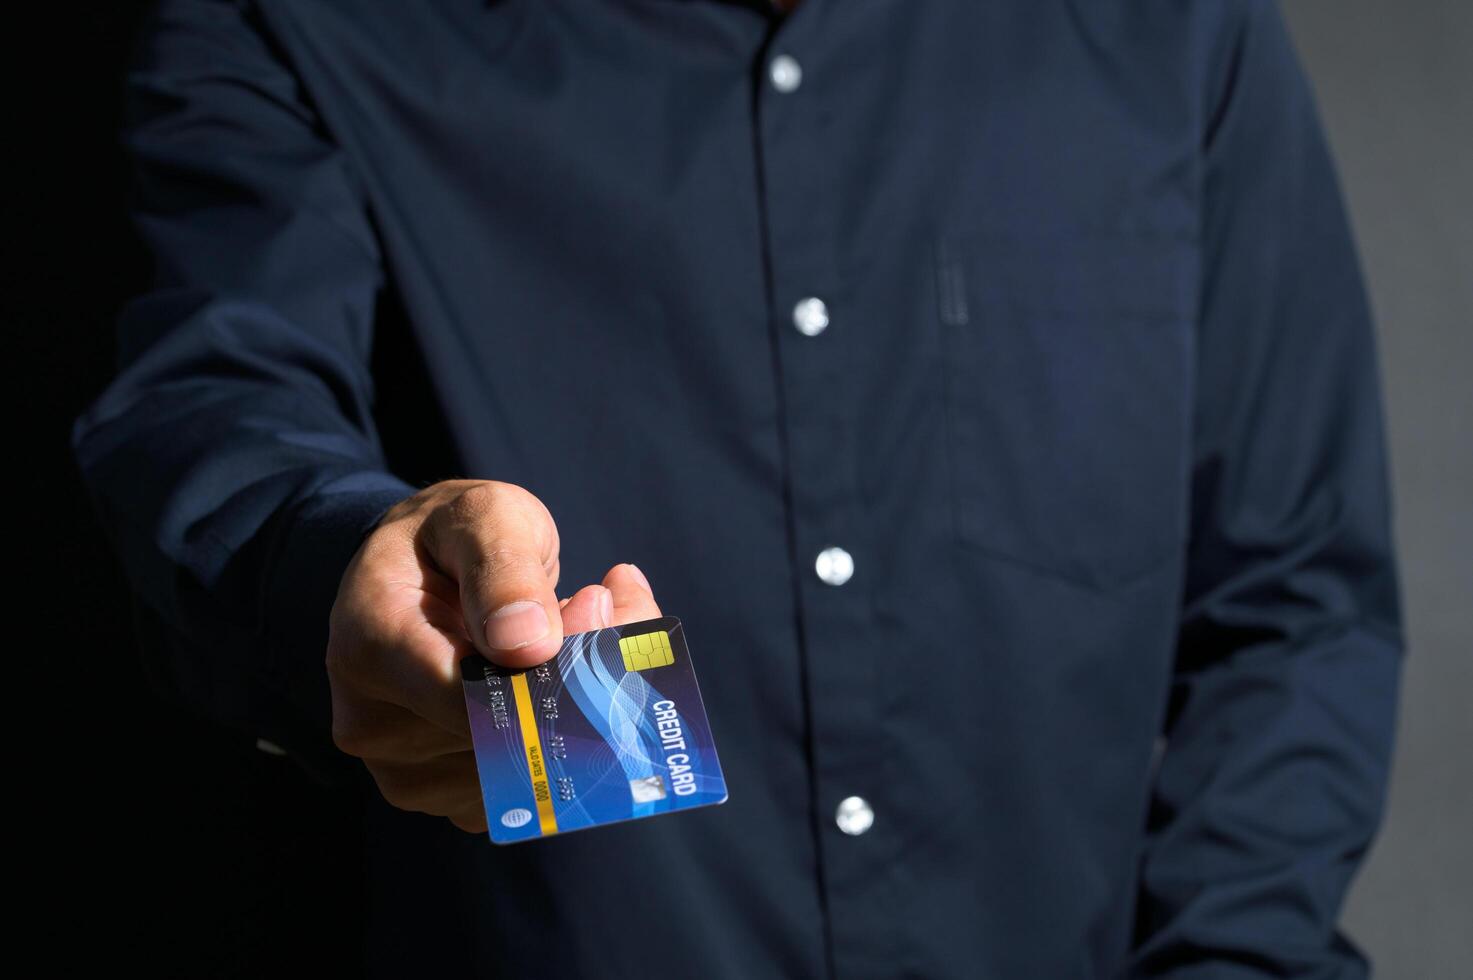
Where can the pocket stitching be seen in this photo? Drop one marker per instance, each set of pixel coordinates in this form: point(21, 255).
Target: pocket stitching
point(955, 255)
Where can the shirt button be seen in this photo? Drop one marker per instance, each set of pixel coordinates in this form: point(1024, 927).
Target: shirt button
point(811, 316)
point(785, 73)
point(834, 566)
point(854, 816)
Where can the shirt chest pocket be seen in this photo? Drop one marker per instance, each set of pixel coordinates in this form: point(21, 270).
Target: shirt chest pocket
point(1067, 374)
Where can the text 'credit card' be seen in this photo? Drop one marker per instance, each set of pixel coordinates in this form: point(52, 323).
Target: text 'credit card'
point(610, 729)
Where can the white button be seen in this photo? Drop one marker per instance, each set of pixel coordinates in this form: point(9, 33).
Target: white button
point(785, 73)
point(854, 816)
point(834, 565)
point(811, 316)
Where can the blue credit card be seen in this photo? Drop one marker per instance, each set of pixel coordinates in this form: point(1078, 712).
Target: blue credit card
point(610, 729)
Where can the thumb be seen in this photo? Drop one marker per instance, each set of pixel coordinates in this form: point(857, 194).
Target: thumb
point(500, 544)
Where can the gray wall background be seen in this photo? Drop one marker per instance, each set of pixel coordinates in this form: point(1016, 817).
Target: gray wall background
point(1394, 80)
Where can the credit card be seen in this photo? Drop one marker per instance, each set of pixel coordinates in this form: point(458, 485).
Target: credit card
point(611, 729)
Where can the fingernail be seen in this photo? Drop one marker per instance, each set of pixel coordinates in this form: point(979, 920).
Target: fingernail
point(516, 624)
point(640, 575)
point(606, 607)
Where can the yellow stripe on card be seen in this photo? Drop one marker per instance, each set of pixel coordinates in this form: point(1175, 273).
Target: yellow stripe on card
point(536, 766)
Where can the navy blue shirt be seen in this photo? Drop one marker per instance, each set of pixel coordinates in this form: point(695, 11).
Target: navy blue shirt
point(1040, 322)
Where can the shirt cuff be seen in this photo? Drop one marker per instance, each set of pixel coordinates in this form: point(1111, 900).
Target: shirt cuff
point(319, 538)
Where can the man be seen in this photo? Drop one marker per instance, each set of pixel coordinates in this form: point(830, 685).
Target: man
point(989, 388)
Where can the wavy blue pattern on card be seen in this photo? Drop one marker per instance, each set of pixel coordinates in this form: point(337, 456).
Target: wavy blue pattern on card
point(612, 729)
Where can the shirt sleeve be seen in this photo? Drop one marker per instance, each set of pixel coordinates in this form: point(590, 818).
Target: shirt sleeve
point(233, 460)
point(1280, 724)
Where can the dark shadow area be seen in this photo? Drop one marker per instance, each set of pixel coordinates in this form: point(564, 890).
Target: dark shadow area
point(160, 840)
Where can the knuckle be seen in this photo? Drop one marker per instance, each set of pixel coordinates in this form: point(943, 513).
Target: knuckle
point(349, 737)
point(332, 657)
point(338, 682)
point(390, 786)
point(471, 825)
point(486, 500)
point(364, 735)
point(471, 817)
point(408, 788)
